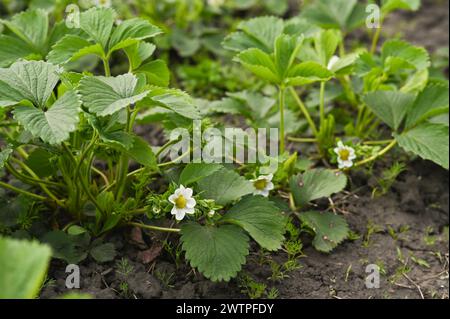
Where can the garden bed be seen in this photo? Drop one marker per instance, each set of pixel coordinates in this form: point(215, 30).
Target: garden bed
point(412, 219)
point(361, 178)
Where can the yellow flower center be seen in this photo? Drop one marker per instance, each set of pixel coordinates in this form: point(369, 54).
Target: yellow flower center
point(181, 202)
point(260, 184)
point(344, 154)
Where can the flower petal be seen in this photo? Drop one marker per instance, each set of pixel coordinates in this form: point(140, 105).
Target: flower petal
point(191, 203)
point(347, 164)
point(187, 192)
point(180, 215)
point(172, 198)
point(265, 193)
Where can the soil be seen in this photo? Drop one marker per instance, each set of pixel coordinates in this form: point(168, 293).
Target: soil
point(427, 27)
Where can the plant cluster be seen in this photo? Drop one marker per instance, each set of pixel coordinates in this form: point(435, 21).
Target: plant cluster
point(73, 99)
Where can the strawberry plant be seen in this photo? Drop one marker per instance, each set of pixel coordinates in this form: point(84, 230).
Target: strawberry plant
point(393, 86)
point(71, 136)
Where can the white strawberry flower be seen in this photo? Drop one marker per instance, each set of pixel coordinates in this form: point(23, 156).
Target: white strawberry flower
point(263, 185)
point(334, 59)
point(346, 155)
point(183, 202)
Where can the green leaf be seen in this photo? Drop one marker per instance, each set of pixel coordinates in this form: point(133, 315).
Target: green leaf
point(276, 6)
point(194, 172)
point(64, 246)
point(390, 106)
point(429, 141)
point(300, 27)
point(130, 31)
point(416, 82)
point(108, 95)
point(432, 101)
point(12, 49)
point(55, 125)
point(41, 162)
point(4, 155)
point(329, 229)
point(308, 72)
point(315, 184)
point(217, 252)
point(30, 26)
point(286, 51)
point(138, 53)
point(27, 80)
point(176, 101)
point(98, 24)
point(23, 267)
point(224, 186)
point(104, 252)
point(339, 14)
point(59, 30)
point(345, 63)
point(142, 153)
point(239, 41)
point(75, 295)
point(260, 64)
point(392, 5)
point(398, 54)
point(112, 130)
point(76, 230)
point(326, 42)
point(260, 33)
point(156, 72)
point(72, 47)
point(261, 218)
point(14, 210)
point(264, 29)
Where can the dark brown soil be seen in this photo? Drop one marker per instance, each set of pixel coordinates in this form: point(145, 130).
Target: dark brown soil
point(412, 219)
point(427, 27)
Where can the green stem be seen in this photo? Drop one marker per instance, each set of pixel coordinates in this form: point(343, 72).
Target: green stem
point(175, 161)
point(379, 154)
point(29, 179)
point(302, 139)
point(304, 111)
point(349, 93)
point(384, 142)
point(166, 146)
point(376, 38)
point(44, 188)
point(281, 101)
point(106, 67)
point(342, 46)
point(163, 229)
point(21, 191)
point(322, 103)
point(100, 173)
point(122, 168)
point(84, 184)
